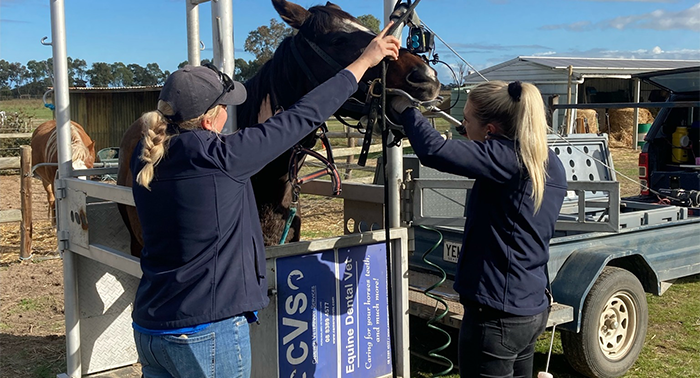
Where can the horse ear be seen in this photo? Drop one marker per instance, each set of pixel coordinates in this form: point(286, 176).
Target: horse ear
point(329, 4)
point(293, 14)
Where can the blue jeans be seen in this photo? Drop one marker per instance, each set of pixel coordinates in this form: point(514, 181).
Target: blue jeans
point(220, 350)
point(497, 344)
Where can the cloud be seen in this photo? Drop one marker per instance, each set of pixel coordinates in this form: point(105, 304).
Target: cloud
point(655, 52)
point(688, 19)
point(6, 21)
point(470, 49)
point(576, 26)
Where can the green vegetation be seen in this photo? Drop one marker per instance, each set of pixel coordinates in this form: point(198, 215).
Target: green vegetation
point(33, 108)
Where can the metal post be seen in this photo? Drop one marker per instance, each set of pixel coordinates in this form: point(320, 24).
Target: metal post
point(61, 101)
point(554, 100)
point(222, 38)
point(193, 40)
point(399, 277)
point(568, 100)
point(635, 125)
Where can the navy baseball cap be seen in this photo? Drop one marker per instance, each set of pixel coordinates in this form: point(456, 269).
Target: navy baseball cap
point(192, 90)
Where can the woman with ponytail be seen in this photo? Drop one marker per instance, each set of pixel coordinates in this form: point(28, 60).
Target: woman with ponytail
point(203, 259)
point(512, 209)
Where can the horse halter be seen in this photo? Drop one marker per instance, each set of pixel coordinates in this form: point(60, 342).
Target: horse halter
point(352, 105)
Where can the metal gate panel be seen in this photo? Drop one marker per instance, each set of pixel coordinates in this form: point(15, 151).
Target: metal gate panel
point(105, 301)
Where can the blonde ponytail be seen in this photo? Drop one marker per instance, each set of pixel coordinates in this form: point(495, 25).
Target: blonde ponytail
point(531, 135)
point(522, 118)
point(156, 138)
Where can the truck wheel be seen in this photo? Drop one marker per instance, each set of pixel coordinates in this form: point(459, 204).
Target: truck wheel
point(613, 326)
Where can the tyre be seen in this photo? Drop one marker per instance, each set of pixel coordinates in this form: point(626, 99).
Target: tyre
point(613, 326)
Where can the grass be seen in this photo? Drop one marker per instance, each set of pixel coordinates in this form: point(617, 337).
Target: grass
point(33, 108)
point(672, 344)
point(671, 348)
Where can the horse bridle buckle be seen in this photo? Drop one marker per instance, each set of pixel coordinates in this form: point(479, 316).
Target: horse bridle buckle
point(374, 84)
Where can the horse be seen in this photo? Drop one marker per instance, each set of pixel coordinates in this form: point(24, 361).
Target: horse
point(45, 150)
point(327, 39)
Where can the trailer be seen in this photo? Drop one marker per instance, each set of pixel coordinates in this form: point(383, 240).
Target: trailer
point(606, 252)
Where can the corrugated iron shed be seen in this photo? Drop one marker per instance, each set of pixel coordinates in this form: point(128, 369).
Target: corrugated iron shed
point(106, 113)
point(586, 67)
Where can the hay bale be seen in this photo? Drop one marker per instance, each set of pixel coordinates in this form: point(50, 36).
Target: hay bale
point(591, 116)
point(622, 124)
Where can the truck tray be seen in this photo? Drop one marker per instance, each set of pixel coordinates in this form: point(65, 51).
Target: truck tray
point(426, 308)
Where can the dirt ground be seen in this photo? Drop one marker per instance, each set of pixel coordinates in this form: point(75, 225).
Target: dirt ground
point(32, 333)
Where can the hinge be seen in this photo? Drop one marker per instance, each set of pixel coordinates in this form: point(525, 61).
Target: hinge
point(407, 187)
point(60, 189)
point(63, 240)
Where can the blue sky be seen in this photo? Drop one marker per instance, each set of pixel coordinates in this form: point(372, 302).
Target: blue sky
point(483, 32)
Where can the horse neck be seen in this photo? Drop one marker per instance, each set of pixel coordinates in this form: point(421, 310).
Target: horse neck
point(275, 75)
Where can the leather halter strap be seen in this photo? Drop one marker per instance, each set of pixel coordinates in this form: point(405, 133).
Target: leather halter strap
point(352, 105)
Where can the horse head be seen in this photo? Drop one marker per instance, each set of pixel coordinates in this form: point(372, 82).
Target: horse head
point(328, 39)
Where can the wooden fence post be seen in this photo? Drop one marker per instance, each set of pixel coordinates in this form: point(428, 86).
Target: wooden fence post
point(351, 158)
point(25, 172)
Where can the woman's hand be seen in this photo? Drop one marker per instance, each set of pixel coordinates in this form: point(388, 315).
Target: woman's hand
point(380, 47)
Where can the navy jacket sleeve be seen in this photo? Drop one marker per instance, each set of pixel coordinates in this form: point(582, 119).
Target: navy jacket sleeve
point(247, 151)
point(492, 159)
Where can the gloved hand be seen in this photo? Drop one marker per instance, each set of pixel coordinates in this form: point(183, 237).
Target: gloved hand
point(396, 105)
point(400, 103)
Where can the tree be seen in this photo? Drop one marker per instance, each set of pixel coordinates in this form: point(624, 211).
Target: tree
point(77, 72)
point(4, 74)
point(36, 70)
point(141, 76)
point(157, 76)
point(461, 73)
point(263, 41)
point(100, 74)
point(18, 74)
point(245, 70)
point(123, 77)
point(370, 22)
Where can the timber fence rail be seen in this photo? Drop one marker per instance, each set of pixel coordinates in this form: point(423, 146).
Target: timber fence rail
point(24, 214)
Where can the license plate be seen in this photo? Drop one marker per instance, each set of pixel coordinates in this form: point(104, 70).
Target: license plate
point(451, 251)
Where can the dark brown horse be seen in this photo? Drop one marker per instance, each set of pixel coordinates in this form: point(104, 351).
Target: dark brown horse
point(296, 67)
point(45, 150)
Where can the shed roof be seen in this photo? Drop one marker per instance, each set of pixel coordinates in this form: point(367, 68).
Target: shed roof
point(592, 67)
point(140, 88)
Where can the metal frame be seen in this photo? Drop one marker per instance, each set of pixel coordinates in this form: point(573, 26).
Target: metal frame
point(72, 193)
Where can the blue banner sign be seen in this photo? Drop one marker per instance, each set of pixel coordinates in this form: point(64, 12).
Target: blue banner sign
point(333, 314)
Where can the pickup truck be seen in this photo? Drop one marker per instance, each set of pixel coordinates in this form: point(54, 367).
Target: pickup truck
point(669, 164)
point(601, 274)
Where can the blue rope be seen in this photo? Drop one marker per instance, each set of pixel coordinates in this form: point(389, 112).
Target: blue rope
point(292, 213)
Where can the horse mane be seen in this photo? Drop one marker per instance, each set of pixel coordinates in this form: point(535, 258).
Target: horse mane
point(261, 84)
point(78, 148)
point(322, 17)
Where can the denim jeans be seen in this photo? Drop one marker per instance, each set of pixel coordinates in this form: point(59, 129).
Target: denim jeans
point(496, 344)
point(220, 350)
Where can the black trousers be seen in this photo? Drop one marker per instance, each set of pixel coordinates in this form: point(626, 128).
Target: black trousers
point(497, 344)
